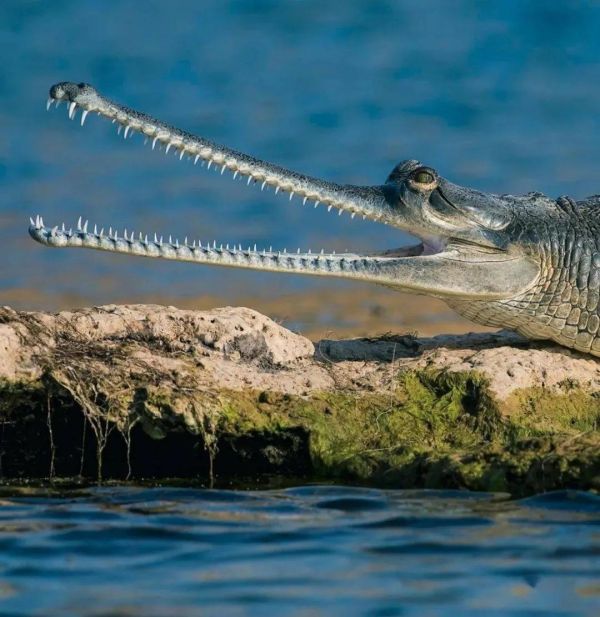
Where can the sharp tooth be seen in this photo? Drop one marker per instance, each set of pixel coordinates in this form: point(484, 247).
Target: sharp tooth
point(209, 164)
point(41, 222)
point(119, 129)
point(125, 234)
point(223, 168)
point(170, 240)
point(235, 173)
point(48, 103)
point(317, 203)
point(125, 132)
point(353, 215)
point(154, 142)
point(146, 239)
point(249, 180)
point(304, 201)
point(181, 153)
point(161, 241)
point(58, 102)
point(155, 239)
point(276, 190)
point(53, 231)
point(185, 241)
point(176, 243)
point(196, 158)
point(31, 221)
point(110, 232)
point(167, 148)
point(291, 195)
point(340, 211)
point(329, 208)
point(262, 186)
point(145, 140)
point(79, 224)
point(63, 228)
point(85, 226)
point(255, 248)
point(101, 234)
point(95, 230)
point(84, 114)
point(72, 109)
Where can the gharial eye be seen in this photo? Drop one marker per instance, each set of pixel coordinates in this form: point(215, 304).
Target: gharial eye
point(422, 176)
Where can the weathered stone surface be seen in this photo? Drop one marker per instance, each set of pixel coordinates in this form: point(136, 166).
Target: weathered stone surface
point(240, 348)
point(361, 408)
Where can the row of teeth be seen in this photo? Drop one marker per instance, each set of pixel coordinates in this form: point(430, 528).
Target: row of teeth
point(205, 155)
point(82, 228)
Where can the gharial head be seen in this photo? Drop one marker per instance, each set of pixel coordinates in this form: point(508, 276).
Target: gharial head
point(442, 213)
point(466, 249)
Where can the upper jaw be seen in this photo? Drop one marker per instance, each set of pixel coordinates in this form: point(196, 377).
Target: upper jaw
point(378, 203)
point(365, 201)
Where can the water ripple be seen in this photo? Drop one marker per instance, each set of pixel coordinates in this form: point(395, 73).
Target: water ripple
point(325, 549)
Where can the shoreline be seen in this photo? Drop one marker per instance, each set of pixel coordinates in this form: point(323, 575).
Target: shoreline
point(228, 395)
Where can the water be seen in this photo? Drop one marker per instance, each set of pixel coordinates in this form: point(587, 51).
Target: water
point(500, 96)
point(314, 550)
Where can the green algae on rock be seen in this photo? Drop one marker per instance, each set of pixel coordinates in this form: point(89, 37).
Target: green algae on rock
point(228, 395)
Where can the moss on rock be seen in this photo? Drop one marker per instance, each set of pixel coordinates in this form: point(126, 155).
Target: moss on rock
point(118, 405)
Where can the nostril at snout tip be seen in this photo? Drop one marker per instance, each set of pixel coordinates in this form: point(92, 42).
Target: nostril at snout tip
point(66, 90)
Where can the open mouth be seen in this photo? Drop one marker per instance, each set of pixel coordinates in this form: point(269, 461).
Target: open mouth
point(368, 202)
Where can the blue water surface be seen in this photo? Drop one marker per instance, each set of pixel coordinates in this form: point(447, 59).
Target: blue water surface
point(313, 550)
point(502, 96)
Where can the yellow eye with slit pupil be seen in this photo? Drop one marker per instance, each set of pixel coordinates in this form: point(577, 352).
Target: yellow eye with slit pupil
point(423, 177)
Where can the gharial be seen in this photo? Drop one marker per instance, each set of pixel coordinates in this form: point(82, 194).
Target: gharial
point(527, 263)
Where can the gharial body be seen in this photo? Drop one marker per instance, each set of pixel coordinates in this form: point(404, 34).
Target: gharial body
point(527, 263)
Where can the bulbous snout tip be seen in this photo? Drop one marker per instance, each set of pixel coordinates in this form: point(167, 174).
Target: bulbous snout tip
point(69, 91)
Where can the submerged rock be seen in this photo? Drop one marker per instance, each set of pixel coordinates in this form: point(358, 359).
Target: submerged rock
point(153, 391)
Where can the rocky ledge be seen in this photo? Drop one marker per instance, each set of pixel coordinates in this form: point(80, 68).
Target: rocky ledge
point(228, 395)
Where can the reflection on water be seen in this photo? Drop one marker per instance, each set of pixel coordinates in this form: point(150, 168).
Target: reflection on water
point(308, 550)
point(503, 97)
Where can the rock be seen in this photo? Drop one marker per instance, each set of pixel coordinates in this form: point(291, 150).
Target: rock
point(442, 411)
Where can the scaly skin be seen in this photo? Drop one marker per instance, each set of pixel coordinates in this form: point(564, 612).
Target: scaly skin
point(527, 263)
